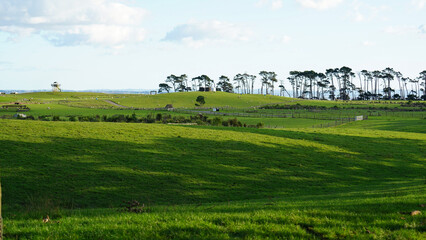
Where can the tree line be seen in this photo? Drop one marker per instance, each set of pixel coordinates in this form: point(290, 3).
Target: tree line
point(334, 84)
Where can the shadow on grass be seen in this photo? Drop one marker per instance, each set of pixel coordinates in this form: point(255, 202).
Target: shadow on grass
point(93, 173)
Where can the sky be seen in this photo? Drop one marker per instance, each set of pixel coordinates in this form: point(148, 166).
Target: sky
point(136, 44)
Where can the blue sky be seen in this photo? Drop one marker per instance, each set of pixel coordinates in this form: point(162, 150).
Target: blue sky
point(136, 44)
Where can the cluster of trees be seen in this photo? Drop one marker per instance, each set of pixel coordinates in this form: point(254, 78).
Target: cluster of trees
point(241, 83)
point(336, 83)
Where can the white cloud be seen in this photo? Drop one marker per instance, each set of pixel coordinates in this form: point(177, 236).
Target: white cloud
point(198, 34)
point(280, 39)
point(277, 4)
point(368, 43)
point(319, 4)
point(362, 11)
point(273, 4)
point(419, 3)
point(74, 22)
point(401, 29)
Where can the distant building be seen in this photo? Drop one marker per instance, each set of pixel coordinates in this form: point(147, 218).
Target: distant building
point(56, 87)
point(205, 89)
point(169, 107)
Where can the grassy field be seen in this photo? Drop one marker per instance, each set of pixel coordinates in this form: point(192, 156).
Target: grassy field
point(187, 100)
point(210, 182)
point(179, 100)
point(358, 180)
point(392, 124)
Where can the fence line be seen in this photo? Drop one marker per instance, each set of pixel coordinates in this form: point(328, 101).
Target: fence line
point(341, 122)
point(254, 115)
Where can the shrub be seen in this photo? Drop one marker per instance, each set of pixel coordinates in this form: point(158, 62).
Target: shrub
point(200, 100)
point(234, 123)
point(217, 121)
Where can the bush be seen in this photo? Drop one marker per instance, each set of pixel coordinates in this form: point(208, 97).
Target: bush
point(44, 118)
point(200, 100)
point(234, 123)
point(217, 121)
point(132, 118)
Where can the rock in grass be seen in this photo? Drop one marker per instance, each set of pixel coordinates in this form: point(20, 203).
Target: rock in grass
point(414, 213)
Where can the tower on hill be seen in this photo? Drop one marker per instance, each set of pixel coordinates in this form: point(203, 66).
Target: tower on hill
point(56, 87)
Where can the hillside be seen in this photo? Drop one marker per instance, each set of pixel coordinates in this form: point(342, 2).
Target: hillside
point(213, 99)
point(64, 165)
point(179, 100)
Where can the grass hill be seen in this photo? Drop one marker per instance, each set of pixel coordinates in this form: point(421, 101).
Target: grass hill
point(179, 100)
point(213, 99)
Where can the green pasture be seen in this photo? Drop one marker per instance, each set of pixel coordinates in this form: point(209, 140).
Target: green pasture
point(382, 104)
point(210, 182)
point(368, 215)
point(391, 124)
point(282, 122)
point(332, 113)
point(187, 100)
point(357, 180)
point(56, 96)
point(64, 111)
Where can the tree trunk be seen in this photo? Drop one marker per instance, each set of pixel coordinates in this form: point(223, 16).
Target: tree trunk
point(334, 87)
point(400, 88)
point(375, 88)
point(389, 89)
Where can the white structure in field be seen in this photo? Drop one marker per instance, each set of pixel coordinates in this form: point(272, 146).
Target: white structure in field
point(56, 87)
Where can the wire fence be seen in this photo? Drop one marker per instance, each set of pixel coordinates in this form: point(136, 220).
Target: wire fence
point(334, 121)
point(340, 122)
point(266, 115)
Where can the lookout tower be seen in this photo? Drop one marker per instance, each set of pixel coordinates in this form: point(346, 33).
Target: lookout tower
point(56, 87)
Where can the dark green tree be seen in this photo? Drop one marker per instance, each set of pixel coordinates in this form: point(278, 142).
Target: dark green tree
point(164, 87)
point(225, 84)
point(174, 80)
point(423, 84)
point(200, 101)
